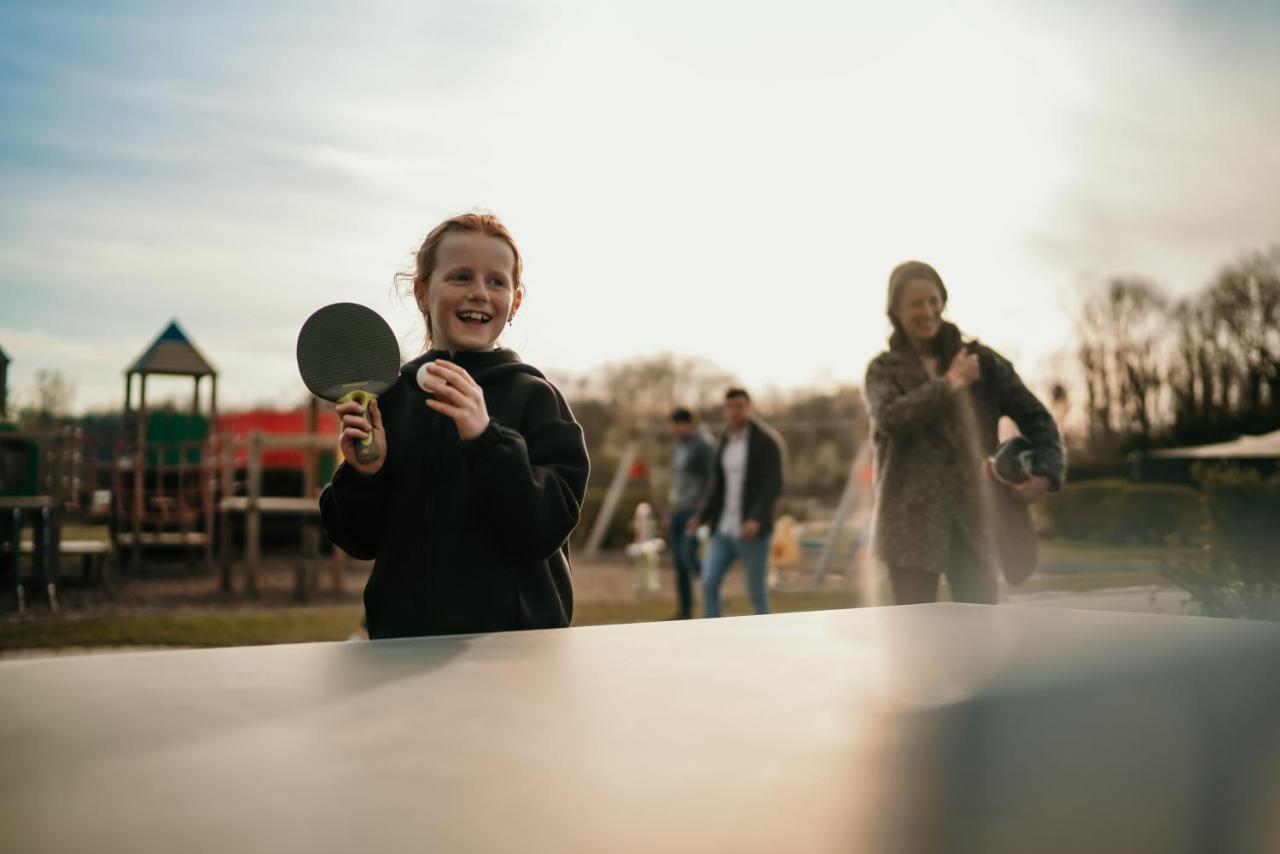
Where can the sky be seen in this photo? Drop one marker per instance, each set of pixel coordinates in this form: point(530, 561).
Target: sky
point(732, 181)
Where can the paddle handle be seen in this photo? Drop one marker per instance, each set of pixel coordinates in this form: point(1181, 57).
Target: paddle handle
point(366, 449)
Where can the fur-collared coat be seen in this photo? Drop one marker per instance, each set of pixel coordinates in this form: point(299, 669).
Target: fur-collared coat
point(930, 444)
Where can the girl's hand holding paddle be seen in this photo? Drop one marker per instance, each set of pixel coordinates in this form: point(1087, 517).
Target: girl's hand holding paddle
point(355, 427)
point(456, 395)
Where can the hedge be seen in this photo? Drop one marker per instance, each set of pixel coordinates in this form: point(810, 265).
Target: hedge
point(1237, 574)
point(1117, 511)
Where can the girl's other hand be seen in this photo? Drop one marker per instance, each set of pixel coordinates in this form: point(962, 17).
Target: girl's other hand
point(456, 395)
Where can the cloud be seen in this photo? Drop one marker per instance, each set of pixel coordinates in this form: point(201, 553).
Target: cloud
point(733, 183)
point(1176, 167)
point(95, 370)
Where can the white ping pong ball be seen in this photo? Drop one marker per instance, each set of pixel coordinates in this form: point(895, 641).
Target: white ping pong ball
point(422, 377)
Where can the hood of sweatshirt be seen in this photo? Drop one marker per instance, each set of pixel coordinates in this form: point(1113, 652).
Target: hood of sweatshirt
point(483, 365)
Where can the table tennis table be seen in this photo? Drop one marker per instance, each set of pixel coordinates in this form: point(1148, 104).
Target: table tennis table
point(943, 727)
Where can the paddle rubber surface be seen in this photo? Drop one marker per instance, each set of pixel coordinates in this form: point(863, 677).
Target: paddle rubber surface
point(348, 352)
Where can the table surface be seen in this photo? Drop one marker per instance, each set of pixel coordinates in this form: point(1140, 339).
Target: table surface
point(922, 728)
point(268, 504)
point(26, 502)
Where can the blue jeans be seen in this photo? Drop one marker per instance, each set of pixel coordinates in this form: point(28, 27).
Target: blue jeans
point(721, 553)
point(684, 554)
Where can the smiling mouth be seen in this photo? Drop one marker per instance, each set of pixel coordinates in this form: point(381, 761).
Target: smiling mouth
point(474, 317)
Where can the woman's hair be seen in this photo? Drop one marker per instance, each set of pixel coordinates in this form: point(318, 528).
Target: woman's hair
point(909, 271)
point(948, 341)
point(482, 223)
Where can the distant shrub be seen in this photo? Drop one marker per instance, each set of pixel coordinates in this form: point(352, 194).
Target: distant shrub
point(1237, 574)
point(1082, 511)
point(1117, 511)
point(1163, 513)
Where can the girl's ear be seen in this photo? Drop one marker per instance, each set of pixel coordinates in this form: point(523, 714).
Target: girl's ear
point(515, 303)
point(420, 295)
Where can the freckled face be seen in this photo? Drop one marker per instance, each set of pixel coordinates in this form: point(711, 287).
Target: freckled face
point(470, 294)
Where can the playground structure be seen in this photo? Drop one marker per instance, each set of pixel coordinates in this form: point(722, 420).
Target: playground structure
point(164, 481)
point(316, 451)
point(195, 484)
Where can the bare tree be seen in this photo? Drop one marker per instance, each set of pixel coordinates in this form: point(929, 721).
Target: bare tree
point(621, 396)
point(651, 388)
point(1204, 374)
point(1120, 331)
point(1246, 298)
point(51, 399)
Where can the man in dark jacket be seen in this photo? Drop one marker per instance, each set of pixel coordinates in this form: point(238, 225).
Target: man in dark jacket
point(692, 462)
point(739, 503)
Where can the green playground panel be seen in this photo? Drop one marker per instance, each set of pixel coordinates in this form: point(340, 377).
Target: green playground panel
point(170, 428)
point(19, 466)
point(327, 465)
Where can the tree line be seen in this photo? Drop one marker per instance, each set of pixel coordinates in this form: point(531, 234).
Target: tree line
point(1157, 371)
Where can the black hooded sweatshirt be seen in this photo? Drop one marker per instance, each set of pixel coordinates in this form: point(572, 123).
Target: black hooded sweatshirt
point(466, 536)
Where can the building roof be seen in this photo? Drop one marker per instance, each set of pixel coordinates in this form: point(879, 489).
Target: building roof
point(1246, 447)
point(173, 353)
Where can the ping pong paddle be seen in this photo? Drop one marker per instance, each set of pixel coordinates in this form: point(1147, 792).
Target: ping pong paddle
point(348, 352)
point(1017, 544)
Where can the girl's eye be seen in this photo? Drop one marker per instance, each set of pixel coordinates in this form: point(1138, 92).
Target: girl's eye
point(458, 277)
point(497, 283)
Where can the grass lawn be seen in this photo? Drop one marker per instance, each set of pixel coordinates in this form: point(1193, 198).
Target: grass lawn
point(1094, 566)
point(298, 625)
point(1090, 554)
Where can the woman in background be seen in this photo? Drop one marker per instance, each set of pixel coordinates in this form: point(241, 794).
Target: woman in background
point(935, 402)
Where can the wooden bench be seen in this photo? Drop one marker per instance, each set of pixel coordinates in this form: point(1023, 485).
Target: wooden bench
point(93, 555)
point(253, 509)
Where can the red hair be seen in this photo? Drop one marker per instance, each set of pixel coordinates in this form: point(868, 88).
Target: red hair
point(425, 260)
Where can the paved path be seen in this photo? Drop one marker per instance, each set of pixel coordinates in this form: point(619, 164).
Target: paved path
point(1142, 600)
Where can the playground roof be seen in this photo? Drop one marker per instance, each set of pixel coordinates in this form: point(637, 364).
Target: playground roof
point(172, 353)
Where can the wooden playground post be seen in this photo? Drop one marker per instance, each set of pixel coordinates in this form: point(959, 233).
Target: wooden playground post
point(253, 516)
point(139, 484)
point(616, 487)
point(845, 509)
point(310, 455)
point(227, 453)
point(208, 464)
point(254, 505)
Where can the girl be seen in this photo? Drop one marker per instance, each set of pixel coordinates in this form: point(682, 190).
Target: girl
point(935, 403)
point(467, 511)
